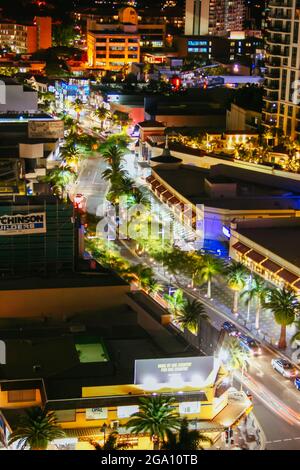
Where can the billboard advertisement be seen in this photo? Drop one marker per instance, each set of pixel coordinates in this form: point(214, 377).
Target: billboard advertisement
point(46, 129)
point(23, 224)
point(153, 374)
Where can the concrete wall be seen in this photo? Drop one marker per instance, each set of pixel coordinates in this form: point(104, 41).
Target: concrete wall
point(60, 302)
point(240, 119)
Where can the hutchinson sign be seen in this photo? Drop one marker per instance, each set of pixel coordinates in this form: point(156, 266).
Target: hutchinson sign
point(23, 224)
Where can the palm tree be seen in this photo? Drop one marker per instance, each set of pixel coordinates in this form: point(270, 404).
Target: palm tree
point(111, 443)
point(141, 196)
point(71, 156)
point(60, 178)
point(176, 302)
point(238, 356)
point(236, 275)
point(185, 439)
point(191, 314)
point(285, 306)
point(257, 291)
point(156, 415)
point(77, 106)
point(36, 429)
point(102, 114)
point(210, 267)
point(115, 173)
point(152, 287)
point(113, 153)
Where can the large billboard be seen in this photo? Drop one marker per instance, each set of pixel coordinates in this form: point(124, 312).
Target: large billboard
point(153, 374)
point(51, 129)
point(23, 224)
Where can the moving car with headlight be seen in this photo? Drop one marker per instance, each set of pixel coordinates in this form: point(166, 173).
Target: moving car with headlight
point(252, 346)
point(230, 328)
point(285, 368)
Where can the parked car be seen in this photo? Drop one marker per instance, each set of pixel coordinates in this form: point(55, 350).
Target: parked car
point(285, 368)
point(230, 328)
point(297, 383)
point(252, 346)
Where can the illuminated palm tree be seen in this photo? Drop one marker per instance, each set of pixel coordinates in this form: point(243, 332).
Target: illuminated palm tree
point(36, 429)
point(71, 156)
point(77, 106)
point(190, 315)
point(102, 114)
point(156, 415)
point(60, 179)
point(210, 266)
point(152, 287)
point(236, 275)
point(238, 357)
point(185, 439)
point(285, 306)
point(113, 153)
point(143, 273)
point(257, 291)
point(176, 302)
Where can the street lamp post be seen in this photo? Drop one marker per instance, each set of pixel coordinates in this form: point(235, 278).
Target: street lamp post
point(103, 429)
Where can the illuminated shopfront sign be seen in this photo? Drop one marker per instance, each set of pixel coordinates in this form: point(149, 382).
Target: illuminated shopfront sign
point(96, 413)
point(23, 224)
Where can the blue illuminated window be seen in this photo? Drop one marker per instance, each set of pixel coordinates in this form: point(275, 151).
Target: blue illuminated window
point(197, 43)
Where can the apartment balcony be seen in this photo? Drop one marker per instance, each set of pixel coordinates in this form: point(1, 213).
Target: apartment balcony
point(273, 62)
point(272, 29)
point(278, 52)
point(281, 4)
point(278, 40)
point(269, 76)
point(275, 15)
point(271, 96)
point(270, 85)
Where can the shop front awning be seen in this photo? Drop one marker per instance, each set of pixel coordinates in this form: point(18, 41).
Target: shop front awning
point(160, 189)
point(256, 257)
point(174, 200)
point(155, 184)
point(167, 195)
point(287, 276)
point(270, 266)
point(241, 248)
point(83, 432)
point(150, 179)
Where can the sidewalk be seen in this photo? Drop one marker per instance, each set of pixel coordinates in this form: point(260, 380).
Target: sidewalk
point(269, 332)
point(222, 300)
point(248, 435)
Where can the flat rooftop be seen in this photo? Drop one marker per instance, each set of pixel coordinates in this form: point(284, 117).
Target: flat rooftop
point(253, 190)
point(51, 353)
point(64, 281)
point(282, 241)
